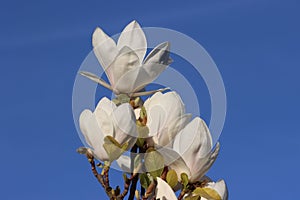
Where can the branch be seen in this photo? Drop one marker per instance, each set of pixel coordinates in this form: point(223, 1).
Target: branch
point(135, 178)
point(98, 176)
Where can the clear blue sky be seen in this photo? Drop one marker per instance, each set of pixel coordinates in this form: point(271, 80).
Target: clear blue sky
point(255, 44)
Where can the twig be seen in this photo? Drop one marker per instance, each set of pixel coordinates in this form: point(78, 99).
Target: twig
point(135, 178)
point(98, 176)
point(181, 195)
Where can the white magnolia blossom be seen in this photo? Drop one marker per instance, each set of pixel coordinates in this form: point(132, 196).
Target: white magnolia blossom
point(165, 192)
point(194, 145)
point(220, 187)
point(108, 120)
point(124, 62)
point(165, 117)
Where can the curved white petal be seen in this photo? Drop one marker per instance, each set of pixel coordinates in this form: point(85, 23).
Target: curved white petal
point(124, 124)
point(133, 37)
point(160, 54)
point(164, 191)
point(162, 111)
point(201, 166)
point(124, 62)
point(92, 134)
point(174, 161)
point(106, 105)
point(137, 78)
point(194, 141)
point(176, 126)
point(103, 110)
point(105, 48)
point(220, 187)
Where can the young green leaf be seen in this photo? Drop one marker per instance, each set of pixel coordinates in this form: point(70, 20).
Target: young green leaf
point(154, 163)
point(144, 180)
point(207, 193)
point(196, 197)
point(172, 178)
point(113, 149)
point(184, 179)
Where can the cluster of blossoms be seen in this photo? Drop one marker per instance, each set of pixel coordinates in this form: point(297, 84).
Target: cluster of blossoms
point(169, 151)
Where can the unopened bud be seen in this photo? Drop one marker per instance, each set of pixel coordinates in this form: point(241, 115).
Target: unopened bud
point(82, 150)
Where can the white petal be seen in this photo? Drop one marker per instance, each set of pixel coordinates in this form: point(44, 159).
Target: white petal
point(174, 161)
point(220, 187)
point(124, 62)
point(105, 48)
point(176, 126)
point(124, 124)
point(156, 63)
point(139, 77)
point(160, 54)
point(194, 141)
point(164, 191)
point(92, 134)
point(106, 105)
point(155, 97)
point(102, 112)
point(201, 166)
point(95, 78)
point(162, 111)
point(134, 37)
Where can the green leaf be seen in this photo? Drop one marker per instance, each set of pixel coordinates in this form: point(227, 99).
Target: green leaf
point(184, 179)
point(207, 193)
point(172, 178)
point(196, 197)
point(144, 180)
point(154, 163)
point(113, 149)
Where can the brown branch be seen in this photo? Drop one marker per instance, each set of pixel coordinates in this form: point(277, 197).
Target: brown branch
point(134, 179)
point(98, 176)
point(127, 186)
point(164, 173)
point(181, 195)
point(102, 179)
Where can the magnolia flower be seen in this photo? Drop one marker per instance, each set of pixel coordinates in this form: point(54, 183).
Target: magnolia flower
point(165, 117)
point(194, 145)
point(124, 64)
point(220, 187)
point(108, 120)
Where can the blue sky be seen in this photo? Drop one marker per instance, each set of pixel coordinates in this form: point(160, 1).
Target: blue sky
point(254, 43)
